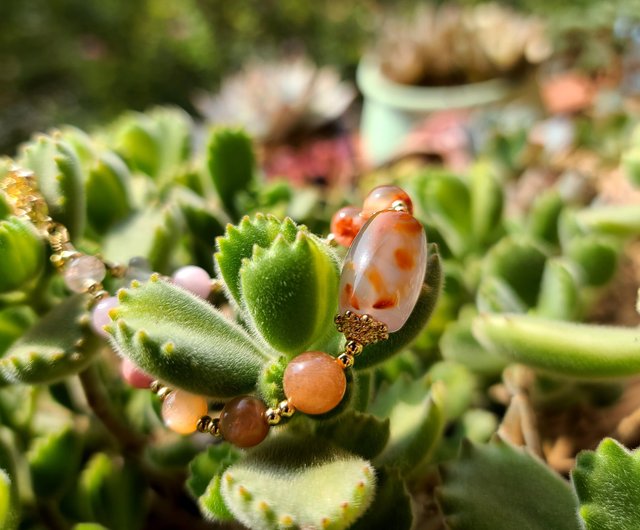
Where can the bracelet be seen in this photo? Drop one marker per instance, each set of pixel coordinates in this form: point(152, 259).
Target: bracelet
point(380, 283)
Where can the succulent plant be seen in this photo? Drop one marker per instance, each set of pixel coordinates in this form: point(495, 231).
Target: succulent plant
point(452, 45)
point(275, 100)
point(455, 425)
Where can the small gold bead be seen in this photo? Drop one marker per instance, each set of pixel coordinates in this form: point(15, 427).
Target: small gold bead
point(100, 295)
point(155, 386)
point(365, 318)
point(399, 206)
point(94, 288)
point(204, 423)
point(116, 270)
point(346, 360)
point(353, 348)
point(273, 416)
point(163, 392)
point(214, 428)
point(286, 409)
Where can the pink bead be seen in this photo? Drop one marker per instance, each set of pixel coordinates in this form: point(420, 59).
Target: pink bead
point(382, 198)
point(384, 270)
point(193, 279)
point(133, 375)
point(100, 315)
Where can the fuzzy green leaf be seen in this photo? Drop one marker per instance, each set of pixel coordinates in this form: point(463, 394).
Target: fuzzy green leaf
point(54, 461)
point(520, 263)
point(89, 526)
point(356, 432)
point(58, 345)
point(291, 291)
point(112, 493)
point(559, 297)
point(205, 473)
point(391, 508)
point(614, 220)
point(184, 341)
point(107, 192)
point(21, 254)
point(270, 488)
point(239, 241)
point(495, 295)
point(231, 164)
point(542, 222)
point(136, 141)
point(431, 289)
point(598, 257)
point(500, 487)
point(458, 387)
point(486, 203)
point(60, 180)
point(416, 420)
point(562, 348)
point(607, 483)
point(152, 233)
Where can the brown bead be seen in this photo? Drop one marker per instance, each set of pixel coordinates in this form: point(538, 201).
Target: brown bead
point(314, 382)
point(243, 421)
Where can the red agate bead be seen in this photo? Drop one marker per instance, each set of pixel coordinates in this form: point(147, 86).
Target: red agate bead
point(243, 421)
point(345, 224)
point(384, 270)
point(383, 198)
point(314, 382)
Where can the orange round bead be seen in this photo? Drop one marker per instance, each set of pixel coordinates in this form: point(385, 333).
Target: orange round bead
point(314, 382)
point(382, 198)
point(345, 224)
point(243, 421)
point(182, 410)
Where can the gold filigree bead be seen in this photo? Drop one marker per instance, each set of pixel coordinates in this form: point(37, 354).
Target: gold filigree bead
point(346, 360)
point(362, 329)
point(286, 409)
point(273, 416)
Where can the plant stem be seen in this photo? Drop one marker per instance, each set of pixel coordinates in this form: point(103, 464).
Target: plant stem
point(98, 400)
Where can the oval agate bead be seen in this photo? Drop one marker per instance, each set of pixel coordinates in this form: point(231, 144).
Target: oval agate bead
point(384, 270)
point(382, 198)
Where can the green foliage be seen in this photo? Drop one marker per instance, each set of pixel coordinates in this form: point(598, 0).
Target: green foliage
point(563, 348)
point(184, 341)
point(500, 487)
point(21, 254)
point(57, 346)
point(269, 489)
point(607, 482)
point(231, 165)
point(8, 502)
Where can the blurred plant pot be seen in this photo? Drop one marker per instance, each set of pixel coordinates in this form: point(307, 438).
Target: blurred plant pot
point(390, 109)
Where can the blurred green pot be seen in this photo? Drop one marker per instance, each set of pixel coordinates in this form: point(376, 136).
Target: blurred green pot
point(391, 109)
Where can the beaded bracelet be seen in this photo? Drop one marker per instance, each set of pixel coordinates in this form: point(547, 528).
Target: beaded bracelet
point(379, 286)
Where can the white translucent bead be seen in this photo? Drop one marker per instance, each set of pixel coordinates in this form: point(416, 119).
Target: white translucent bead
point(100, 315)
point(83, 272)
point(193, 279)
point(383, 272)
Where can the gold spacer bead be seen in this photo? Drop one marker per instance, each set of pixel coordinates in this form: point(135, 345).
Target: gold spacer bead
point(273, 416)
point(399, 206)
point(286, 409)
point(163, 392)
point(116, 270)
point(94, 288)
point(204, 424)
point(100, 295)
point(155, 386)
point(214, 428)
point(353, 348)
point(346, 360)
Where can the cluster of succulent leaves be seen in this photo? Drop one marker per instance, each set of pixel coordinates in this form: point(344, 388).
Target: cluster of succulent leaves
point(415, 414)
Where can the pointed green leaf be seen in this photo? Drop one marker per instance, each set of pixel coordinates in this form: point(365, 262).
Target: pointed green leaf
point(58, 345)
point(458, 387)
point(562, 348)
point(356, 432)
point(416, 420)
point(54, 461)
point(598, 257)
point(431, 289)
point(559, 297)
point(542, 222)
point(185, 341)
point(291, 291)
point(270, 488)
point(486, 203)
point(60, 180)
point(607, 483)
point(238, 243)
point(618, 220)
point(231, 162)
point(107, 192)
point(501, 487)
point(9, 502)
point(495, 295)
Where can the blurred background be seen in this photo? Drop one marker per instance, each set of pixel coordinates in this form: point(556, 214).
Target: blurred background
point(80, 62)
